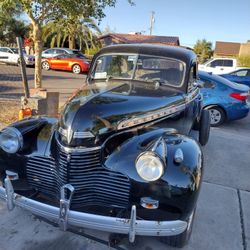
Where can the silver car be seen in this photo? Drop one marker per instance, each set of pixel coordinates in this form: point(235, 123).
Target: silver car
point(11, 56)
point(58, 51)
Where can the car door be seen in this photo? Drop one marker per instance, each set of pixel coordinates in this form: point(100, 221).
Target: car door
point(59, 62)
point(216, 66)
point(209, 91)
point(12, 56)
point(4, 55)
point(193, 100)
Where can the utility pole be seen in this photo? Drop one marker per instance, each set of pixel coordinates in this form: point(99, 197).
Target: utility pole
point(152, 21)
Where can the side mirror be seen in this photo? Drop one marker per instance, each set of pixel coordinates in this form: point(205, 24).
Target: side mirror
point(198, 84)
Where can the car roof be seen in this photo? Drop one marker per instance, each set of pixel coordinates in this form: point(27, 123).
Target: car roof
point(67, 49)
point(218, 79)
point(175, 52)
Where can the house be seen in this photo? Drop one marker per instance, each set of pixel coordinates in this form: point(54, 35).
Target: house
point(229, 49)
point(116, 38)
point(245, 49)
point(226, 49)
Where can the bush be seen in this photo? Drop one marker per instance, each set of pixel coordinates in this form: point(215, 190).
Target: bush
point(91, 51)
point(243, 61)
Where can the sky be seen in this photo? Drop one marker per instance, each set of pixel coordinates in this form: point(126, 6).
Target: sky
point(190, 20)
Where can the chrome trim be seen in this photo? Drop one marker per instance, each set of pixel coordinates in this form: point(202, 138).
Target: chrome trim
point(178, 156)
point(77, 150)
point(154, 116)
point(64, 206)
point(165, 112)
point(82, 135)
point(130, 226)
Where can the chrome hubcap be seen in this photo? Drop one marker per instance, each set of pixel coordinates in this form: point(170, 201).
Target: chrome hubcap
point(215, 116)
point(45, 66)
point(76, 69)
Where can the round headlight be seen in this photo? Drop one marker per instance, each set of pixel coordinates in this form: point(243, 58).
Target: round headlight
point(149, 166)
point(11, 140)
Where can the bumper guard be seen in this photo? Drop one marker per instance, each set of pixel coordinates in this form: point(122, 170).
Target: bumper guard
point(66, 217)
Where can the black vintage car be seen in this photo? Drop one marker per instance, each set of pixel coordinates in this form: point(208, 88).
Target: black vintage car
point(120, 158)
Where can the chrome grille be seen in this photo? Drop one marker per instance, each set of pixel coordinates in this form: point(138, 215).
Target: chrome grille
point(93, 183)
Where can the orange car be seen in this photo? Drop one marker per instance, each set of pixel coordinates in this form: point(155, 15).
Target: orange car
point(66, 62)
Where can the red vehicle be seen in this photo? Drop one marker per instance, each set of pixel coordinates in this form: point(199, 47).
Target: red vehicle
point(66, 62)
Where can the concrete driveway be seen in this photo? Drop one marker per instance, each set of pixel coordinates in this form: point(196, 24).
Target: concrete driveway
point(223, 216)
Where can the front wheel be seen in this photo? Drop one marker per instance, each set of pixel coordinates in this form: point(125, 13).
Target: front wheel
point(204, 128)
point(182, 239)
point(76, 69)
point(217, 116)
point(45, 65)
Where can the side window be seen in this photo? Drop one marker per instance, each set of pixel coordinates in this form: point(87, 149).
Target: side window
point(216, 63)
point(208, 84)
point(241, 73)
point(248, 73)
point(228, 63)
point(49, 51)
point(192, 77)
point(4, 50)
point(62, 56)
point(58, 51)
point(9, 51)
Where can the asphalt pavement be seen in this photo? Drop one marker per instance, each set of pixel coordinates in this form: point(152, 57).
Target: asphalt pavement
point(222, 220)
point(54, 81)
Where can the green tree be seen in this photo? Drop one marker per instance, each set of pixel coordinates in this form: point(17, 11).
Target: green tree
point(203, 49)
point(10, 28)
point(42, 11)
point(82, 32)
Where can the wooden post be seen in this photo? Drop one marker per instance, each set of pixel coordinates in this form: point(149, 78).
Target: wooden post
point(23, 68)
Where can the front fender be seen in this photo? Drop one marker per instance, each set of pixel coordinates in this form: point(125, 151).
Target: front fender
point(37, 133)
point(179, 186)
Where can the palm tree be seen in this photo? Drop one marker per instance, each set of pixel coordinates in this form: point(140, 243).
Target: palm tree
point(203, 49)
point(82, 31)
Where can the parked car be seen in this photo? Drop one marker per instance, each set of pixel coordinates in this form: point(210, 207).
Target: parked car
point(11, 56)
point(120, 158)
point(58, 51)
point(219, 65)
point(241, 76)
point(224, 99)
point(66, 62)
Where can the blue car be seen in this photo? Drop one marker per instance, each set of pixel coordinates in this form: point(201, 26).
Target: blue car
point(224, 99)
point(241, 76)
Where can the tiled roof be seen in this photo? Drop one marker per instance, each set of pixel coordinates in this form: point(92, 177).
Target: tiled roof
point(137, 38)
point(227, 48)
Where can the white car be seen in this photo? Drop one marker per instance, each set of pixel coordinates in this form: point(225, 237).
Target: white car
point(219, 65)
point(11, 56)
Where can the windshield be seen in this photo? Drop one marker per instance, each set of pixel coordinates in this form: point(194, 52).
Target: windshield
point(139, 67)
point(78, 54)
point(15, 50)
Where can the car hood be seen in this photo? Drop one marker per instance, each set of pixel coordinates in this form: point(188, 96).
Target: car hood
point(99, 108)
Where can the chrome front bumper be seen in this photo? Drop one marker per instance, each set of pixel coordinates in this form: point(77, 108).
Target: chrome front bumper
point(66, 217)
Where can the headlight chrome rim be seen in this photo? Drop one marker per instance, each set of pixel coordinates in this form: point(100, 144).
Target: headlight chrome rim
point(16, 134)
point(157, 158)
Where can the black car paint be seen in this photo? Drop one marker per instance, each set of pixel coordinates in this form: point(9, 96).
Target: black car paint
point(93, 108)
